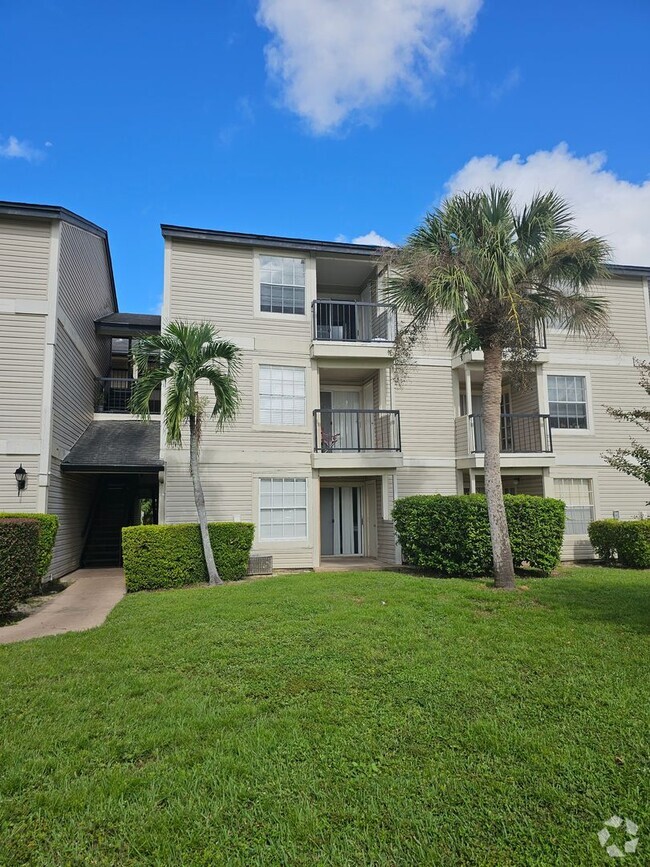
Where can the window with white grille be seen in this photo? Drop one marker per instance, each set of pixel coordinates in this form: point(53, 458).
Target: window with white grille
point(283, 509)
point(282, 284)
point(282, 395)
point(567, 402)
point(578, 496)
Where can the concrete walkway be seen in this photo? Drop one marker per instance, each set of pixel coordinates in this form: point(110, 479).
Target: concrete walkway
point(92, 594)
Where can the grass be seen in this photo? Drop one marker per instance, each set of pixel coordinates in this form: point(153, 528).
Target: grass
point(334, 719)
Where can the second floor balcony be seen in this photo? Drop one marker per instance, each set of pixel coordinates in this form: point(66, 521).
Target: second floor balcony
point(114, 395)
point(357, 437)
point(359, 329)
point(525, 439)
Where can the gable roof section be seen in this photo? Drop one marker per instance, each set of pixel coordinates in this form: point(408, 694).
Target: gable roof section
point(55, 212)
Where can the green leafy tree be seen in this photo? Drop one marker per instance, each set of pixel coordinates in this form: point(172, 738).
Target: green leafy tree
point(182, 355)
point(635, 459)
point(495, 274)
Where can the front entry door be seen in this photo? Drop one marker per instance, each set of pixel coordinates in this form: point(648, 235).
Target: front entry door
point(341, 521)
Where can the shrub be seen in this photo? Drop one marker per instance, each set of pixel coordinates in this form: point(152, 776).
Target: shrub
point(47, 529)
point(604, 536)
point(170, 555)
point(633, 544)
point(627, 541)
point(19, 550)
point(450, 535)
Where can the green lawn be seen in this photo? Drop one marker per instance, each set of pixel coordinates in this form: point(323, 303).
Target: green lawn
point(321, 719)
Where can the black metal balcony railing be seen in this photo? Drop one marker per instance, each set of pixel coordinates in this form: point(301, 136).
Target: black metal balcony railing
point(357, 430)
point(114, 394)
point(520, 433)
point(355, 321)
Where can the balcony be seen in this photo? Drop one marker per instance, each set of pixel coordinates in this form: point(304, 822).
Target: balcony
point(476, 355)
point(357, 438)
point(525, 440)
point(344, 329)
point(114, 394)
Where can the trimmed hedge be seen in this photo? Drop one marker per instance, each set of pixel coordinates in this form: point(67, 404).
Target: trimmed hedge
point(19, 545)
point(628, 541)
point(603, 536)
point(450, 535)
point(47, 530)
point(159, 556)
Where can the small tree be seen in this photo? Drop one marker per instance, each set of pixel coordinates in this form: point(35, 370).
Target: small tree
point(181, 355)
point(495, 274)
point(635, 459)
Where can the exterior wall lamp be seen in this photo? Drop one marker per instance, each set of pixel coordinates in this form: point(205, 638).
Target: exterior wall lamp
point(21, 478)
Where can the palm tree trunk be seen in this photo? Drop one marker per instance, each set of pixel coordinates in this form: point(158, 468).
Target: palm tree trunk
point(504, 573)
point(199, 499)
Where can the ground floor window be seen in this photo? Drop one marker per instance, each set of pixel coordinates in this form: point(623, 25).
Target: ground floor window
point(283, 509)
point(578, 495)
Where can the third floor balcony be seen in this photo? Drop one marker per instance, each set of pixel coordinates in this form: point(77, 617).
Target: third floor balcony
point(353, 329)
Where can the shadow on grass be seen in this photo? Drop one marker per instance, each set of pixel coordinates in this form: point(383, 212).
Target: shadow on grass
point(623, 601)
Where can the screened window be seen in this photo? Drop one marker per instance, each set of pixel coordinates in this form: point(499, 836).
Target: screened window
point(282, 284)
point(578, 496)
point(282, 395)
point(283, 508)
point(567, 402)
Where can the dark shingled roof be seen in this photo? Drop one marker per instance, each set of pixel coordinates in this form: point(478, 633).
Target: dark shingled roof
point(127, 323)
point(116, 446)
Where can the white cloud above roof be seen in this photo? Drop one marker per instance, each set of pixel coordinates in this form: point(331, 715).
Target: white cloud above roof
point(14, 148)
point(337, 58)
point(602, 203)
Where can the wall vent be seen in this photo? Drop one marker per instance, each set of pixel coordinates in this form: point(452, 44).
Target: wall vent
point(260, 565)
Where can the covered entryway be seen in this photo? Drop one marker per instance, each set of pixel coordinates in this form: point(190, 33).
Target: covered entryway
point(123, 457)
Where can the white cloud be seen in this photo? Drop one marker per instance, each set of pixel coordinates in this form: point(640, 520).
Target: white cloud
point(14, 148)
point(334, 58)
point(602, 203)
point(374, 239)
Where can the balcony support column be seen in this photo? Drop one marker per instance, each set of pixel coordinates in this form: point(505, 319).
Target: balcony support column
point(468, 390)
point(472, 480)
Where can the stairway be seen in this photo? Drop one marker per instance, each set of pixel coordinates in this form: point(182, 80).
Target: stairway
point(112, 512)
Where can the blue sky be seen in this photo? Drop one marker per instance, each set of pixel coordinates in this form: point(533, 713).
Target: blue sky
point(320, 118)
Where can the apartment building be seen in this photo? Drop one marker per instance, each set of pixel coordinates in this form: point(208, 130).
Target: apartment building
point(326, 438)
point(60, 338)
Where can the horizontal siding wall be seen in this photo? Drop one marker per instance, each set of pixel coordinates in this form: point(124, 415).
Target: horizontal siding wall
point(426, 405)
point(70, 497)
point(425, 480)
point(10, 499)
point(85, 292)
point(627, 321)
point(24, 259)
point(74, 393)
point(386, 549)
point(22, 350)
point(231, 492)
point(84, 295)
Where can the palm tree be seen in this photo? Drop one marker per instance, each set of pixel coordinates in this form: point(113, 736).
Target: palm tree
point(183, 354)
point(496, 274)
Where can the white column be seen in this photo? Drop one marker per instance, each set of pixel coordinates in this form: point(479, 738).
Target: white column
point(472, 480)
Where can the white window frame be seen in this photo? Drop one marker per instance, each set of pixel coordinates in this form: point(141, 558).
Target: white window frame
point(310, 286)
point(282, 361)
point(592, 494)
point(562, 432)
point(284, 368)
point(280, 540)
